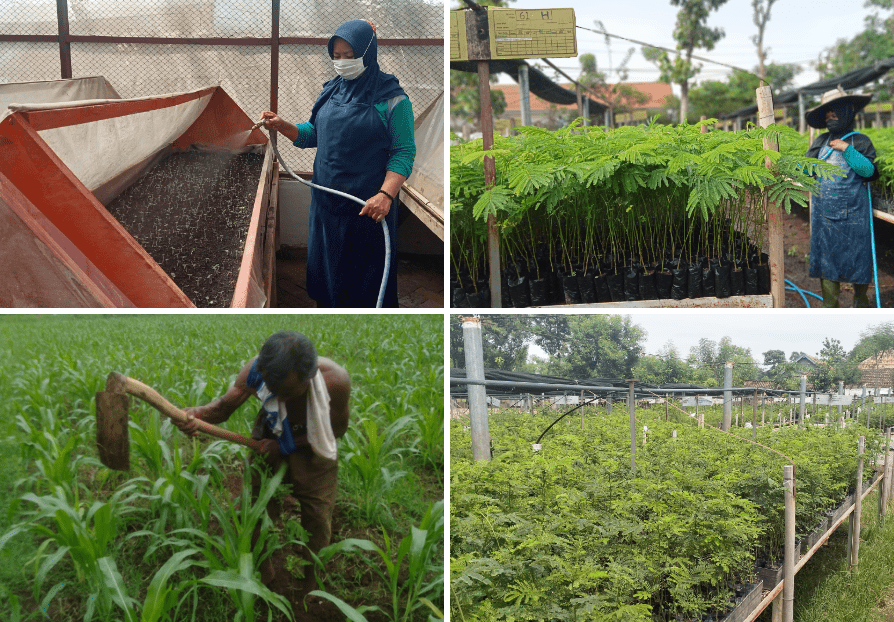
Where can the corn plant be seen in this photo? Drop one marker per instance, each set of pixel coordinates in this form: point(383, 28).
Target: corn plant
point(367, 463)
point(419, 550)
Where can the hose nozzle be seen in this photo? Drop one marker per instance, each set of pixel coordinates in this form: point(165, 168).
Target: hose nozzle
point(257, 125)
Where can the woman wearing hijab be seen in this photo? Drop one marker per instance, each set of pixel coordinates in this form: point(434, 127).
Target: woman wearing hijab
point(840, 218)
point(362, 128)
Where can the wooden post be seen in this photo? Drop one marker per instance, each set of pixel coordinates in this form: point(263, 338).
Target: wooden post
point(774, 212)
point(531, 403)
point(858, 505)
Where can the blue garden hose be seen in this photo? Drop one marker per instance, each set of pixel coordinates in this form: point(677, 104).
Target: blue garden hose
point(382, 287)
point(878, 302)
point(794, 288)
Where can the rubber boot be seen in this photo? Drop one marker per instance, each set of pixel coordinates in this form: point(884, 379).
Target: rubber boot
point(831, 290)
point(861, 300)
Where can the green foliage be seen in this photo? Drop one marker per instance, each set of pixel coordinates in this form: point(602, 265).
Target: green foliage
point(571, 532)
point(591, 195)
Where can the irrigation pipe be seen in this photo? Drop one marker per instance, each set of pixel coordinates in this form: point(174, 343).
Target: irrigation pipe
point(351, 197)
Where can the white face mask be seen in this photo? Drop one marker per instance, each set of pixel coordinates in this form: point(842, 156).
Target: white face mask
point(351, 68)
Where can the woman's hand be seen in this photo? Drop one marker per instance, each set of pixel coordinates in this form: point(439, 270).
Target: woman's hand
point(377, 207)
point(272, 121)
point(839, 144)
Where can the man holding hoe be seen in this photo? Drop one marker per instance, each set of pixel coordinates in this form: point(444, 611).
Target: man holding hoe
point(304, 409)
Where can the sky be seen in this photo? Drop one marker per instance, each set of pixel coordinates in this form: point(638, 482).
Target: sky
point(758, 331)
point(797, 32)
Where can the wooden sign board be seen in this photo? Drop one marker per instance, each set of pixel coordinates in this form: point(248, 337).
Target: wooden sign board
point(834, 400)
point(512, 33)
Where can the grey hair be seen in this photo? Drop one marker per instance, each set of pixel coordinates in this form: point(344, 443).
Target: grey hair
point(283, 353)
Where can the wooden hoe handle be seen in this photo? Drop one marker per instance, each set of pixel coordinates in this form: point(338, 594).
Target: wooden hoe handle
point(120, 383)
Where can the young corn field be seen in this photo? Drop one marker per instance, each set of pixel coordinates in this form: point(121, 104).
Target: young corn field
point(172, 538)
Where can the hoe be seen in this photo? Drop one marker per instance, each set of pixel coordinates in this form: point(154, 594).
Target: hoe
point(112, 434)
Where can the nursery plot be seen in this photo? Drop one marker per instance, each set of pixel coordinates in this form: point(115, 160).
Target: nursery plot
point(191, 213)
point(571, 532)
point(636, 213)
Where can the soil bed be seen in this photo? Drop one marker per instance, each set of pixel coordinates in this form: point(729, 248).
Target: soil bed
point(191, 213)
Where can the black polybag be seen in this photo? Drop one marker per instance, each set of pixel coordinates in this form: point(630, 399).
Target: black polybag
point(631, 284)
point(648, 289)
point(737, 282)
point(694, 286)
point(518, 290)
point(615, 286)
point(721, 279)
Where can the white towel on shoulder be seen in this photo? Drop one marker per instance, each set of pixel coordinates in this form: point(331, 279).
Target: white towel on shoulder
point(319, 425)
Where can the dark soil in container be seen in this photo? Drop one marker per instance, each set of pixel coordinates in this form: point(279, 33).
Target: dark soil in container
point(191, 213)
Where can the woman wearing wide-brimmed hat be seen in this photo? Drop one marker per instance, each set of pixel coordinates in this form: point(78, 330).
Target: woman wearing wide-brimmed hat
point(840, 219)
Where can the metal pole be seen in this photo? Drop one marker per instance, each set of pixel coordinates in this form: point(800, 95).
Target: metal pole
point(608, 404)
point(524, 89)
point(754, 416)
point(803, 397)
point(630, 403)
point(788, 579)
point(477, 394)
point(840, 392)
point(802, 123)
point(64, 42)
point(727, 396)
point(858, 506)
point(274, 60)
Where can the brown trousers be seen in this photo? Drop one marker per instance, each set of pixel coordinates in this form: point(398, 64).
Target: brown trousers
point(313, 481)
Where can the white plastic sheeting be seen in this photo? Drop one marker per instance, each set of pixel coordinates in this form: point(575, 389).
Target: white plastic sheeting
point(55, 91)
point(100, 151)
point(428, 169)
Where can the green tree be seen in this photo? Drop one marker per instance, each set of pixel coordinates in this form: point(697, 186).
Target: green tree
point(504, 341)
point(713, 98)
point(781, 372)
point(829, 371)
point(602, 346)
point(691, 32)
point(876, 42)
point(761, 17)
point(661, 368)
point(707, 363)
point(873, 341)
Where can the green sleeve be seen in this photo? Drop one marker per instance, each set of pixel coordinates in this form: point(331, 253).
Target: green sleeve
point(403, 144)
point(307, 136)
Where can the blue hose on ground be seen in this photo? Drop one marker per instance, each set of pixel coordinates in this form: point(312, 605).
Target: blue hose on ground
point(356, 200)
point(794, 288)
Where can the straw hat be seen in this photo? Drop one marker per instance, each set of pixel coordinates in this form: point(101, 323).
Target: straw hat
point(816, 117)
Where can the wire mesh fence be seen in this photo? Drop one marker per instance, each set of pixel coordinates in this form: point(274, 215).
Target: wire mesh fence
point(152, 47)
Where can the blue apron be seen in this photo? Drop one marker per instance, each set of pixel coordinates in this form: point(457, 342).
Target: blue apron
point(840, 246)
point(346, 252)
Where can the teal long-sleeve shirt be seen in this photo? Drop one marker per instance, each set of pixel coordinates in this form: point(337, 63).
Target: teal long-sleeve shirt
point(403, 144)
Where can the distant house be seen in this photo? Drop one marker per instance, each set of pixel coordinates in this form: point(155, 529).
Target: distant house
point(805, 362)
point(878, 370)
point(544, 114)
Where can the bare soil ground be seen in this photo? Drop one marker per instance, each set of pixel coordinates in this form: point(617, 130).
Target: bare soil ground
point(797, 262)
point(191, 213)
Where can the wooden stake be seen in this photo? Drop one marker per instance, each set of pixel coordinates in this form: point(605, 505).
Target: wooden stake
point(774, 212)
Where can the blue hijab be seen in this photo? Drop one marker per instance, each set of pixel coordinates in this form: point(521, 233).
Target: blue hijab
point(373, 86)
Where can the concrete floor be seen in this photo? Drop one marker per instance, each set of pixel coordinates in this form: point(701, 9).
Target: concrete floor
point(420, 280)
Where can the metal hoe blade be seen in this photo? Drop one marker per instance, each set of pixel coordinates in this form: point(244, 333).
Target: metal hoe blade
point(112, 435)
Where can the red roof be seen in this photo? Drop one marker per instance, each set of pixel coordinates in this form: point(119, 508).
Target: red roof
point(656, 90)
